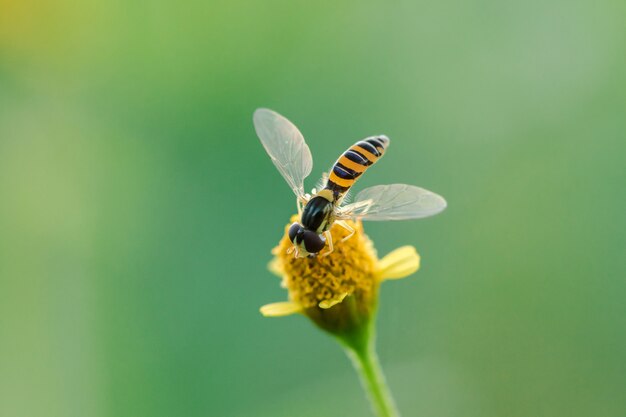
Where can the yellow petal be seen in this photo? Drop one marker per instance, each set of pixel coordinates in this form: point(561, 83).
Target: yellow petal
point(332, 301)
point(275, 267)
point(400, 263)
point(280, 309)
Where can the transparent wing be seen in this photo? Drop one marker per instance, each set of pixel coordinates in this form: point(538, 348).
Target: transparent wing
point(286, 146)
point(393, 202)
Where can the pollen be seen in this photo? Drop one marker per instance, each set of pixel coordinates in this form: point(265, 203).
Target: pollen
point(325, 280)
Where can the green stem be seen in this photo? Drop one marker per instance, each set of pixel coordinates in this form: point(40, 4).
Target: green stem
point(365, 361)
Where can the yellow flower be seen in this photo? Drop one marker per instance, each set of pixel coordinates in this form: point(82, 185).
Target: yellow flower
point(338, 292)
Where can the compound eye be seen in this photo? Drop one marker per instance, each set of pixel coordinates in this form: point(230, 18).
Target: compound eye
point(313, 243)
point(293, 231)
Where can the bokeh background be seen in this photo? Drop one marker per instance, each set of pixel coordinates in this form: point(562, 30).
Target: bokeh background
point(138, 209)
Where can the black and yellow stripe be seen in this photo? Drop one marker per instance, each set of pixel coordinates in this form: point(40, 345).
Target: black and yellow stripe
point(354, 162)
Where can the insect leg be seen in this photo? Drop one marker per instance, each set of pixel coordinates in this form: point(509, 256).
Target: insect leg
point(347, 227)
point(329, 239)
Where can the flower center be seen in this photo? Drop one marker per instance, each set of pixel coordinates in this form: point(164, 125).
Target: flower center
point(348, 270)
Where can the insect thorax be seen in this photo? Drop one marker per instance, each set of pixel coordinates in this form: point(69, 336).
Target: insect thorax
point(319, 212)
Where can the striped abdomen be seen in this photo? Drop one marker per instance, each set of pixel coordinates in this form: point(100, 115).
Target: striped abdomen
point(355, 161)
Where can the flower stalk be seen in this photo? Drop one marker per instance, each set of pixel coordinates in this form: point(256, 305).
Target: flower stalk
point(366, 364)
point(361, 349)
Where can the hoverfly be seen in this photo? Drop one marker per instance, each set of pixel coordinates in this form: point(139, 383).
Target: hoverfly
point(320, 210)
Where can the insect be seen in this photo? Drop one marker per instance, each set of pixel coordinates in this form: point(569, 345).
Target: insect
point(320, 210)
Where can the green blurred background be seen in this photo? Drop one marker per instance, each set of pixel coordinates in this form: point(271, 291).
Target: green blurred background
point(138, 209)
